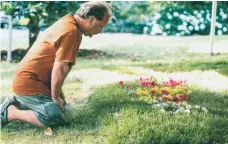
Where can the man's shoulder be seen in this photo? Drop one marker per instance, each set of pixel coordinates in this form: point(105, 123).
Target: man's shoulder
point(66, 24)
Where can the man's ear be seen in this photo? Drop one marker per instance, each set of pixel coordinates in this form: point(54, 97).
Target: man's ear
point(91, 19)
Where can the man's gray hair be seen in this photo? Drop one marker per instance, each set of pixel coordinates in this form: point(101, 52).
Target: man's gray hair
point(97, 9)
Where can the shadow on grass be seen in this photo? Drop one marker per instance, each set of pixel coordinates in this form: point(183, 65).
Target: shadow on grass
point(92, 116)
point(107, 101)
point(216, 103)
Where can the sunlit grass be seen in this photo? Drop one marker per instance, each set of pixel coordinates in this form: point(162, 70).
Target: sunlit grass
point(104, 113)
point(110, 116)
point(217, 63)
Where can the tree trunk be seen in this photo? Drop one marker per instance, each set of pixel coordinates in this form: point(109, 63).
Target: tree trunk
point(33, 33)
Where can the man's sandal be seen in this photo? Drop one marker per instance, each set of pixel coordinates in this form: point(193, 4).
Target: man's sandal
point(4, 110)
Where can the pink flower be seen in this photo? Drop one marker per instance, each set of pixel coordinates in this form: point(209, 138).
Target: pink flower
point(180, 98)
point(143, 84)
point(165, 98)
point(120, 83)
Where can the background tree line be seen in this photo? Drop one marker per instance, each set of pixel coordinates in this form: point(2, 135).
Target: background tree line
point(179, 18)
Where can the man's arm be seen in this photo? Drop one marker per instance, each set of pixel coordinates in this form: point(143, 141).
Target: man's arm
point(62, 96)
point(59, 72)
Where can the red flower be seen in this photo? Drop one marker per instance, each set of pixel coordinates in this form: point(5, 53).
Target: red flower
point(149, 84)
point(153, 92)
point(120, 83)
point(164, 92)
point(128, 86)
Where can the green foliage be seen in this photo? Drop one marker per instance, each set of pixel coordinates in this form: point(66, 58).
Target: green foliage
point(143, 17)
point(33, 13)
point(188, 18)
point(168, 18)
point(129, 16)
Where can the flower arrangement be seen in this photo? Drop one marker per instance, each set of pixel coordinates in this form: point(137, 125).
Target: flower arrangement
point(169, 95)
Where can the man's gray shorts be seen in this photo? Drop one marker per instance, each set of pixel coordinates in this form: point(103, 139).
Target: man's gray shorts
point(46, 111)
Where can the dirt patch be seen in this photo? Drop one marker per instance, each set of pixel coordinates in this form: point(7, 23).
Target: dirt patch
point(18, 54)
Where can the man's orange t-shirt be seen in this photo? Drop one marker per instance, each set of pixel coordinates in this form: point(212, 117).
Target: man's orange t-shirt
point(60, 42)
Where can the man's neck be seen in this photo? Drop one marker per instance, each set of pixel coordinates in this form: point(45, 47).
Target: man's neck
point(79, 22)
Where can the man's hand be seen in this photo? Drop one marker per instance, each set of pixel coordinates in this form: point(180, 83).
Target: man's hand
point(60, 102)
point(59, 73)
point(62, 96)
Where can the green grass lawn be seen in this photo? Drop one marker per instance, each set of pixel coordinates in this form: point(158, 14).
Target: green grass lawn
point(105, 113)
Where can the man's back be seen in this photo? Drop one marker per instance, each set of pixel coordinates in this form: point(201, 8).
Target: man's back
point(60, 42)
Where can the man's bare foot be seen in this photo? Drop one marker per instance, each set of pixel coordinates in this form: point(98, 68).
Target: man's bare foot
point(49, 131)
point(11, 112)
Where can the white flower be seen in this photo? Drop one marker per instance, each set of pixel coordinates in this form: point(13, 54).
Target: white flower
point(182, 33)
point(170, 17)
point(182, 109)
point(177, 111)
point(188, 19)
point(167, 26)
point(145, 29)
point(187, 111)
point(157, 16)
point(185, 103)
point(182, 16)
point(219, 25)
point(201, 20)
point(224, 16)
point(204, 109)
point(199, 15)
point(202, 26)
point(177, 34)
point(196, 107)
point(157, 106)
point(185, 24)
point(190, 27)
point(195, 12)
point(224, 29)
point(183, 27)
point(188, 107)
point(175, 14)
point(196, 28)
point(162, 110)
point(219, 32)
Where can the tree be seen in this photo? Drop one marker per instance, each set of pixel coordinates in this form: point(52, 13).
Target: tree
point(33, 13)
